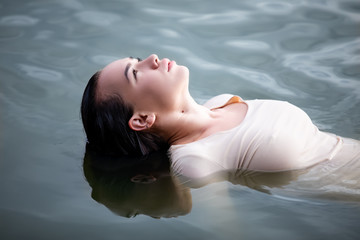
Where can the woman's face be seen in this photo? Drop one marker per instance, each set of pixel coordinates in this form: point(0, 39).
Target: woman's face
point(147, 85)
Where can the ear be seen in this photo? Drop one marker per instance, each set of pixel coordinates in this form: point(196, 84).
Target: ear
point(142, 121)
point(146, 179)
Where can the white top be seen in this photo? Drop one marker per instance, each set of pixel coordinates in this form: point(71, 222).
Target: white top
point(274, 136)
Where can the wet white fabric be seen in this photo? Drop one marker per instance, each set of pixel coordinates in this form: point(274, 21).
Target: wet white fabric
point(274, 136)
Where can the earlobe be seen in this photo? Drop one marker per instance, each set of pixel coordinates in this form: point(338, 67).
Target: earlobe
point(140, 121)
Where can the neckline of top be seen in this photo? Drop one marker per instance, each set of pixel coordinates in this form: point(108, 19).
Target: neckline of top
point(219, 132)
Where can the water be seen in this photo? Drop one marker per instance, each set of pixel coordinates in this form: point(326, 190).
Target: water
point(304, 52)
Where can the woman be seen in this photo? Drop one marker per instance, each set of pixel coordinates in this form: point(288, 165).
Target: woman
point(133, 107)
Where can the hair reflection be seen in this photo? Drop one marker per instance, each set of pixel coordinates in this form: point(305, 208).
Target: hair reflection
point(129, 187)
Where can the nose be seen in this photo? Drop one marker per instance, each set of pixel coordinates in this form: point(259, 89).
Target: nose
point(153, 60)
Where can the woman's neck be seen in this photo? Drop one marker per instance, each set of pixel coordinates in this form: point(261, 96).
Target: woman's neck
point(188, 123)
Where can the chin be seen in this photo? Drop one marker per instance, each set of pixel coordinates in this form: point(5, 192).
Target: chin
point(184, 71)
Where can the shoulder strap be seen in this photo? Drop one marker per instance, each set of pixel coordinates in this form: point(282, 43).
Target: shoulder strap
point(222, 100)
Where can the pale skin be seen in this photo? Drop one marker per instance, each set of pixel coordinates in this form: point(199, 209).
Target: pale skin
point(158, 91)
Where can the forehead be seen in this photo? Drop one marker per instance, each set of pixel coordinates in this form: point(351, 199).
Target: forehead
point(115, 67)
point(112, 76)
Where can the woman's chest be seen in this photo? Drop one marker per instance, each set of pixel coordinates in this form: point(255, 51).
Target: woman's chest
point(231, 116)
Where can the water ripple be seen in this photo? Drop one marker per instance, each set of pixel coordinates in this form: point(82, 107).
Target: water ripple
point(252, 45)
point(275, 7)
point(18, 20)
point(72, 4)
point(321, 14)
point(259, 78)
point(313, 64)
point(44, 35)
point(167, 13)
point(97, 18)
point(9, 32)
point(166, 32)
point(41, 73)
point(217, 18)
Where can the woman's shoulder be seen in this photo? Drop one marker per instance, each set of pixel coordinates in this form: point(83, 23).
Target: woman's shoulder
point(222, 100)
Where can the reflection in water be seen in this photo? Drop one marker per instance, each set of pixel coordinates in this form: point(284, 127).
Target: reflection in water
point(129, 187)
point(261, 181)
point(141, 187)
point(145, 186)
point(337, 179)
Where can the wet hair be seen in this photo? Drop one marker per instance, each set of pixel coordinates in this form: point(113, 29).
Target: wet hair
point(106, 126)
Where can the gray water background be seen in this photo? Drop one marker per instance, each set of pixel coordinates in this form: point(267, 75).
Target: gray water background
point(304, 52)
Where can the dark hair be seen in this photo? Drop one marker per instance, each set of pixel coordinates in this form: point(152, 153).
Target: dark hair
point(106, 125)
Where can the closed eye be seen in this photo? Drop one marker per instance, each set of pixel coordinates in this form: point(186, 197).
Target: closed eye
point(134, 73)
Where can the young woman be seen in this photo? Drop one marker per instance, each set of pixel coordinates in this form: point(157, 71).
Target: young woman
point(133, 107)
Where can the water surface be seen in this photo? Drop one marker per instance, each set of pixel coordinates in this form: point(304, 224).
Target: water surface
point(304, 52)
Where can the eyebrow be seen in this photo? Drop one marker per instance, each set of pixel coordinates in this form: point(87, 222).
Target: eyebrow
point(126, 71)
